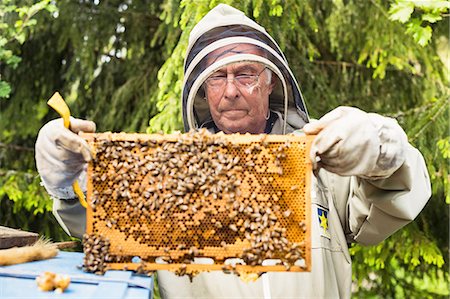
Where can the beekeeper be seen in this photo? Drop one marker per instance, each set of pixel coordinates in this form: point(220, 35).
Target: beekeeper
point(369, 181)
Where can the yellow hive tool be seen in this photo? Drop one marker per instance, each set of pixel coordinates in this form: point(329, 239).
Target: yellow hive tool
point(60, 106)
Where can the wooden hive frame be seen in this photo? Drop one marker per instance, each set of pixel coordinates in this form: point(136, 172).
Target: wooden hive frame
point(183, 196)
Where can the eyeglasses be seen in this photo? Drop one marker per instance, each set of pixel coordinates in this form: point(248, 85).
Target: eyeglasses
point(241, 81)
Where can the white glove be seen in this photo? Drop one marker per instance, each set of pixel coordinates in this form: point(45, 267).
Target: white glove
point(62, 156)
point(352, 142)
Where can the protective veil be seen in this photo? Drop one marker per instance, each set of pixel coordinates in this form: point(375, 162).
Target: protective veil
point(211, 41)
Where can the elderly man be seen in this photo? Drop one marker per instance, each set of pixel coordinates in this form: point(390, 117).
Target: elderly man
point(369, 181)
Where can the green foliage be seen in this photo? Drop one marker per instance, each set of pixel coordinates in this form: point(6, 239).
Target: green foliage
point(418, 15)
point(16, 22)
point(444, 148)
point(25, 205)
point(20, 186)
point(412, 270)
point(5, 89)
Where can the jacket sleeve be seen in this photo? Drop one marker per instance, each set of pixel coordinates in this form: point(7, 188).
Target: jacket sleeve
point(378, 208)
point(67, 208)
point(70, 215)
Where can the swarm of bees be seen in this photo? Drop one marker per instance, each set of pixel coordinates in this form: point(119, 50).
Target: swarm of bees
point(184, 196)
point(96, 253)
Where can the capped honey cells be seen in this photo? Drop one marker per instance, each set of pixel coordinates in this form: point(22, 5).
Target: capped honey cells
point(198, 202)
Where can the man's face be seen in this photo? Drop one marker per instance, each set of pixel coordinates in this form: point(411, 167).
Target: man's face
point(238, 96)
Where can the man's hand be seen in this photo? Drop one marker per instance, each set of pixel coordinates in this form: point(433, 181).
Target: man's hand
point(61, 155)
point(352, 142)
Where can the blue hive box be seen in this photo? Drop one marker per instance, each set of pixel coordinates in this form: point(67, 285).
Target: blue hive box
point(18, 281)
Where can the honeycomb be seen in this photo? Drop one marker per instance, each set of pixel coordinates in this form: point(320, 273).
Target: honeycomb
point(160, 202)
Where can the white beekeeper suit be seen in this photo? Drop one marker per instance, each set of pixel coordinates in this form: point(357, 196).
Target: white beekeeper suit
point(369, 181)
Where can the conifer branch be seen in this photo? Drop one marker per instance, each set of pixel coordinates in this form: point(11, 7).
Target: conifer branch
point(16, 147)
point(432, 120)
point(26, 175)
point(339, 63)
point(415, 110)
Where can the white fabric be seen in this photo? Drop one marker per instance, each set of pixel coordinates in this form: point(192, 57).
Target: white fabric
point(70, 215)
point(352, 142)
point(61, 156)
